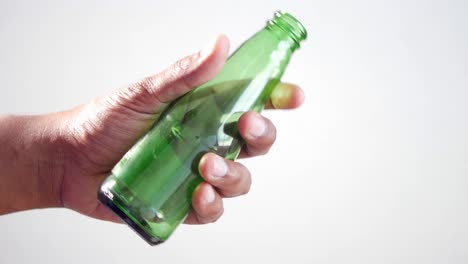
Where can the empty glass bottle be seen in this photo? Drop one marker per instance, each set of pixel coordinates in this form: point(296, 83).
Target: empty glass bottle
point(151, 187)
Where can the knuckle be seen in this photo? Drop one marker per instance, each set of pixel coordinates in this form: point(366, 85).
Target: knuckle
point(180, 67)
point(181, 71)
point(147, 85)
point(185, 65)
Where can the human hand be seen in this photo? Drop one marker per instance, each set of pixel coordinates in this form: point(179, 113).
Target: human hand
point(92, 138)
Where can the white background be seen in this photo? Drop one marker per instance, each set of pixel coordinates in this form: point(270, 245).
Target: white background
point(373, 168)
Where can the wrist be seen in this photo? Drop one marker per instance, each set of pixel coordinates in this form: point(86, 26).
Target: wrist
point(32, 159)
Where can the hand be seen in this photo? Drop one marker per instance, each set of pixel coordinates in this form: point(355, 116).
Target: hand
point(92, 138)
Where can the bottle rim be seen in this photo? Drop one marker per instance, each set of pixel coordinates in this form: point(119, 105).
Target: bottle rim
point(290, 24)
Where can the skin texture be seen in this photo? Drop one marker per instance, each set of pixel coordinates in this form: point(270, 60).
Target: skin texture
point(60, 159)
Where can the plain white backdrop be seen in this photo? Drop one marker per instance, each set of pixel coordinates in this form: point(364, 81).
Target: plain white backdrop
point(373, 169)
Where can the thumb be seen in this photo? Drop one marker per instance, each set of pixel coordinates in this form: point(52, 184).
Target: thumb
point(152, 93)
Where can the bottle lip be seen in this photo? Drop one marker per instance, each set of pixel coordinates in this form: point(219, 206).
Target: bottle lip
point(290, 24)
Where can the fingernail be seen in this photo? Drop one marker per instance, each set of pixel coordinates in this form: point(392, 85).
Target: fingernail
point(209, 195)
point(257, 127)
point(219, 168)
point(208, 49)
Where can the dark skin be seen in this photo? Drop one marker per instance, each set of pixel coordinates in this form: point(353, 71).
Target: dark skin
point(60, 159)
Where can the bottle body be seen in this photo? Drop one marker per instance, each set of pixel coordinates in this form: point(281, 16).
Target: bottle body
point(151, 187)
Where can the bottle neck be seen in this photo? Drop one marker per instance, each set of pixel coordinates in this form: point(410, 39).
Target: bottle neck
point(286, 27)
point(267, 53)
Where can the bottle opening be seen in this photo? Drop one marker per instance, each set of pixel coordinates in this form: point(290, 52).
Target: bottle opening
point(289, 24)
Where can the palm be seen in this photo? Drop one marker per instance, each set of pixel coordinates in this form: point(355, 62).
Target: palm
point(102, 133)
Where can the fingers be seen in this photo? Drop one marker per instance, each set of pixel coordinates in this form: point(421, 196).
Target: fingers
point(153, 92)
point(223, 178)
point(207, 205)
point(286, 96)
point(258, 132)
point(230, 178)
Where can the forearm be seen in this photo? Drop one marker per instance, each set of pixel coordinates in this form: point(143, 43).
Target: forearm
point(31, 162)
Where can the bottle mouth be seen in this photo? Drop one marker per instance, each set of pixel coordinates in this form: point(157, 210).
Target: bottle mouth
point(289, 24)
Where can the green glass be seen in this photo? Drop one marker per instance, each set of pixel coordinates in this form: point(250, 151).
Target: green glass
point(151, 187)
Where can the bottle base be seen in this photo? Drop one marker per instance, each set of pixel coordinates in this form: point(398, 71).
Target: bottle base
point(111, 202)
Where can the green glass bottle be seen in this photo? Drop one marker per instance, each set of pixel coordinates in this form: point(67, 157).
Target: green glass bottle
point(151, 187)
